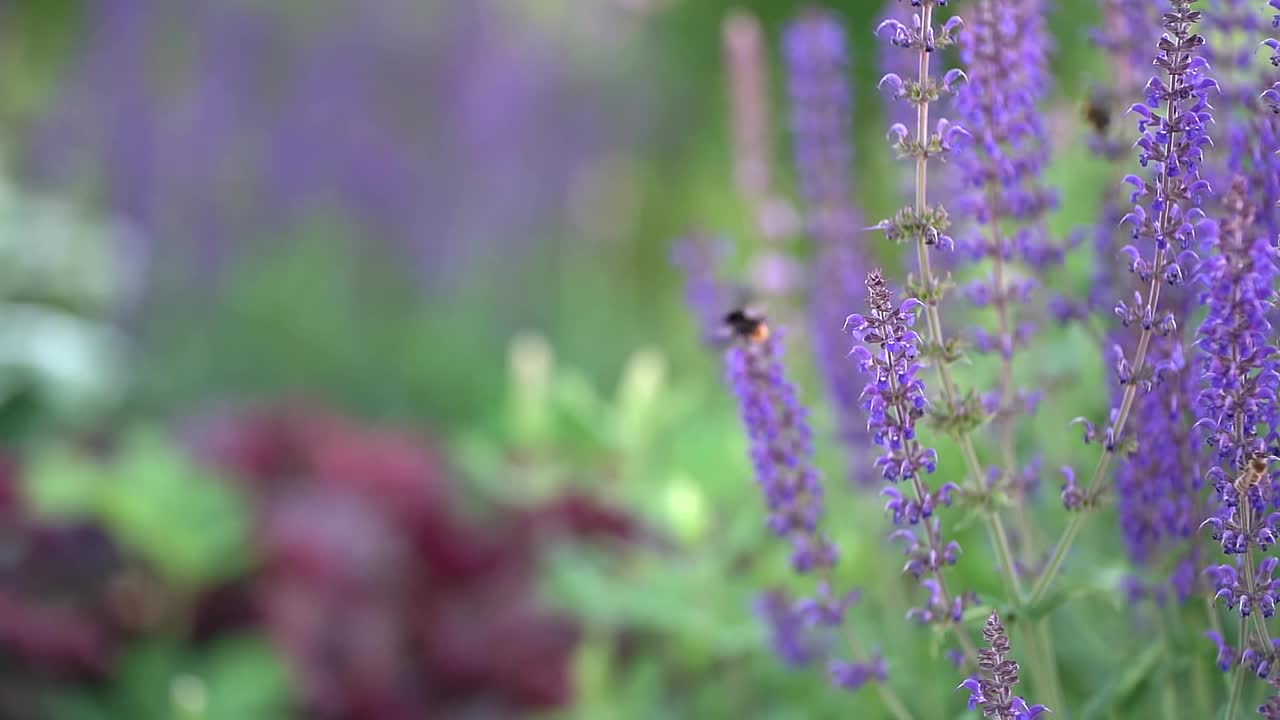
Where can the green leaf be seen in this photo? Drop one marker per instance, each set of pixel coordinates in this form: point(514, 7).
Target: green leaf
point(1125, 685)
point(61, 484)
point(188, 524)
point(244, 678)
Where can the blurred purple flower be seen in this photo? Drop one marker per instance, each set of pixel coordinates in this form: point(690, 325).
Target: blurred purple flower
point(220, 128)
point(814, 48)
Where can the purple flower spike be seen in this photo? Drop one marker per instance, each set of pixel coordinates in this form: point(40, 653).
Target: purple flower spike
point(993, 690)
point(895, 397)
point(782, 453)
point(895, 400)
point(1158, 475)
point(1249, 130)
point(821, 108)
point(1236, 407)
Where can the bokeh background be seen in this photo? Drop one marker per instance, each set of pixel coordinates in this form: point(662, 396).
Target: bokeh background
point(344, 372)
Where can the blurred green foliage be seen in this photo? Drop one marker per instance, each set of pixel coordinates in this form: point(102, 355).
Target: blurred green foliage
point(181, 520)
point(236, 679)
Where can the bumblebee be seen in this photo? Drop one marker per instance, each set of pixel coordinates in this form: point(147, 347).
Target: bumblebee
point(1254, 473)
point(1097, 113)
point(747, 325)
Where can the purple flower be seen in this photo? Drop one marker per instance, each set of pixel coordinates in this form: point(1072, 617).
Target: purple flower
point(1237, 407)
point(781, 449)
point(1005, 53)
point(780, 442)
point(1172, 124)
point(793, 638)
point(1250, 128)
point(992, 691)
point(853, 675)
point(708, 295)
point(894, 400)
point(821, 104)
point(927, 224)
point(896, 66)
point(1249, 592)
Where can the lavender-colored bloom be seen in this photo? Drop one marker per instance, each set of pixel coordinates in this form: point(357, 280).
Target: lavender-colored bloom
point(903, 65)
point(1172, 122)
point(1237, 408)
point(782, 454)
point(1004, 49)
point(853, 675)
point(927, 224)
point(793, 638)
point(821, 105)
point(1158, 480)
point(370, 114)
point(993, 690)
point(895, 401)
point(702, 260)
point(1235, 588)
point(1004, 53)
point(1250, 130)
point(895, 398)
point(781, 449)
point(1226, 654)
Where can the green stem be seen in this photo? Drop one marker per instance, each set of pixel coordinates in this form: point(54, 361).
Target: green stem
point(1237, 681)
point(1052, 675)
point(933, 317)
point(1200, 690)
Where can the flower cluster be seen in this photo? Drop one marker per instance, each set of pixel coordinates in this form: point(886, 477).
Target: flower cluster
point(927, 224)
point(993, 691)
point(793, 639)
point(706, 292)
point(1250, 130)
point(900, 64)
point(781, 449)
point(1172, 123)
point(1004, 50)
point(895, 400)
point(821, 103)
point(1237, 407)
point(815, 53)
point(1259, 591)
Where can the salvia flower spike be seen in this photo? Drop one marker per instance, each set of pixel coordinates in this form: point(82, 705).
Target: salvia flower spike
point(992, 690)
